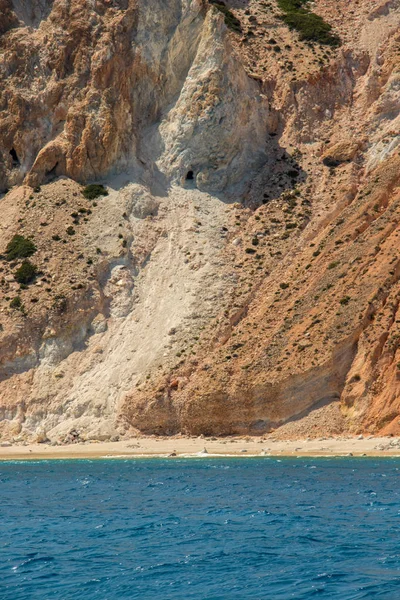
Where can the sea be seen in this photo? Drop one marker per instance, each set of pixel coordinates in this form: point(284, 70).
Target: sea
point(208, 528)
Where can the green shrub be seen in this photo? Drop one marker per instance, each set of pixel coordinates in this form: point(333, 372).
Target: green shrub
point(345, 300)
point(20, 247)
point(230, 20)
point(70, 230)
point(291, 5)
point(94, 190)
point(16, 303)
point(310, 26)
point(26, 273)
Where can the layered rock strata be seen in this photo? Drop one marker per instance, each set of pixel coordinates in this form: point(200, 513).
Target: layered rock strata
point(241, 274)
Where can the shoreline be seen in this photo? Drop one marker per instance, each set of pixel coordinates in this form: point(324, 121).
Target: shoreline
point(184, 447)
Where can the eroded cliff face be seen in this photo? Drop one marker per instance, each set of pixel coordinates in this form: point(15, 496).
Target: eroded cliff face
point(241, 275)
point(98, 88)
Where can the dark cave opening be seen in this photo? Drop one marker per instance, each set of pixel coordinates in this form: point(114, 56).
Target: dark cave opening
point(52, 174)
point(15, 159)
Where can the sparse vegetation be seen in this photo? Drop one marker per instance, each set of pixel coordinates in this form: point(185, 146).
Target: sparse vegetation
point(94, 190)
point(70, 230)
point(310, 26)
point(20, 247)
point(16, 303)
point(26, 273)
point(230, 20)
point(345, 300)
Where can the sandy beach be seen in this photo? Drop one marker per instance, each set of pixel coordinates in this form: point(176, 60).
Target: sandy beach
point(203, 447)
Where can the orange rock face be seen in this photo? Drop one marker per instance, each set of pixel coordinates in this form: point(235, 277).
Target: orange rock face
point(242, 274)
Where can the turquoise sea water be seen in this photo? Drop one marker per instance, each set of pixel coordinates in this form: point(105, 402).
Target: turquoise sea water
point(200, 529)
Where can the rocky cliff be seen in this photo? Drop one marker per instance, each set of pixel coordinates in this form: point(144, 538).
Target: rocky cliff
point(237, 268)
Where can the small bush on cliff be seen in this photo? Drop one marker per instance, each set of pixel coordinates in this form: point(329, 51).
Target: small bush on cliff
point(94, 190)
point(20, 247)
point(230, 20)
point(16, 303)
point(333, 264)
point(310, 26)
point(26, 273)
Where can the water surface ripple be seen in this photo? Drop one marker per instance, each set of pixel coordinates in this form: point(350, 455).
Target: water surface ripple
point(215, 529)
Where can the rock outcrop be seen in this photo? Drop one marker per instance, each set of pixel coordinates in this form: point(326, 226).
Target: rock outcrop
point(240, 273)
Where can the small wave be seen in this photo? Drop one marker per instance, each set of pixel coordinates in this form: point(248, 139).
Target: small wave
point(234, 529)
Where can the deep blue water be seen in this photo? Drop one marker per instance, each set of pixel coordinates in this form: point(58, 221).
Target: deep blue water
point(200, 529)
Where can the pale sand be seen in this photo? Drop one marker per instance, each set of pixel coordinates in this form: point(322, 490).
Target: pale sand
point(194, 447)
